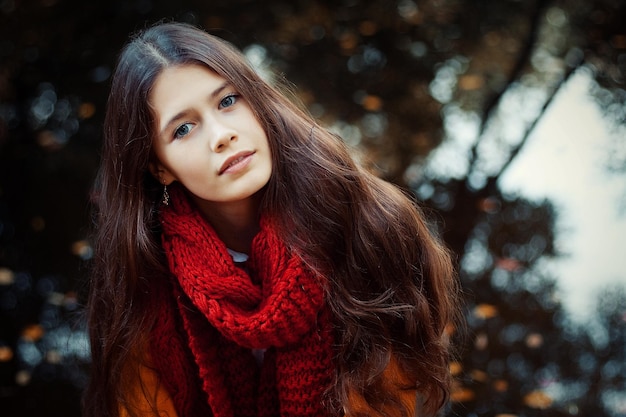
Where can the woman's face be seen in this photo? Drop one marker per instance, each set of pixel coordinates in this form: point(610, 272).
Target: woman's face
point(207, 137)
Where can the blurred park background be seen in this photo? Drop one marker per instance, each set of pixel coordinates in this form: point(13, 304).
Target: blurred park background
point(505, 118)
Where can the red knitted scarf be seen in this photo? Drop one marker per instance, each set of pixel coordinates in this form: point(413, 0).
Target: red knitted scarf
point(202, 344)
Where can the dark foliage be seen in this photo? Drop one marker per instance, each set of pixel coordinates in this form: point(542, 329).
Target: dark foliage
point(383, 74)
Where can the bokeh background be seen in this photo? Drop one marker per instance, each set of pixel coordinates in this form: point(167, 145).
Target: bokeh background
point(505, 118)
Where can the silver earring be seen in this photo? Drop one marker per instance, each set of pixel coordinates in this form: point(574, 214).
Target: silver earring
point(166, 196)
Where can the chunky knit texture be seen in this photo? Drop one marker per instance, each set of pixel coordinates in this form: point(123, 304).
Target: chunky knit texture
point(213, 313)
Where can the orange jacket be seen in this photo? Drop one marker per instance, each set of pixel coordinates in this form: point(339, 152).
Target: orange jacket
point(150, 392)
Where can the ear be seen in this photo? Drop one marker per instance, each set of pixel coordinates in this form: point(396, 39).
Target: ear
point(160, 173)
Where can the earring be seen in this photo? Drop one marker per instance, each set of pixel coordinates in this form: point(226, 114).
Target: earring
point(166, 196)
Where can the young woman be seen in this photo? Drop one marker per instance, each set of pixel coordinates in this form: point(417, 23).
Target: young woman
point(245, 265)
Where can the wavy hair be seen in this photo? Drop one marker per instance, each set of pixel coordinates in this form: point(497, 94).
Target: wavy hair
point(391, 282)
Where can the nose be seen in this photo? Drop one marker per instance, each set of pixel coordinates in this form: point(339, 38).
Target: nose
point(222, 136)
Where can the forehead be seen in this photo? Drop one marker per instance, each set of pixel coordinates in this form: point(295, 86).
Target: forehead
point(180, 80)
point(180, 88)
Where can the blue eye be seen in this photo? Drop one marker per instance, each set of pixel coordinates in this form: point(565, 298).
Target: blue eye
point(182, 131)
point(228, 101)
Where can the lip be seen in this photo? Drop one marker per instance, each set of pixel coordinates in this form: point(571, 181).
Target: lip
point(235, 162)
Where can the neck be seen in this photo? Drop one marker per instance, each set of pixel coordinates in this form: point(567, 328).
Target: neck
point(235, 223)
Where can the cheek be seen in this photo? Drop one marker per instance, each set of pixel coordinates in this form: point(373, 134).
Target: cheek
point(190, 164)
point(179, 164)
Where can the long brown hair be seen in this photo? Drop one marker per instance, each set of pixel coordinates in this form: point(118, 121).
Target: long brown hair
point(391, 282)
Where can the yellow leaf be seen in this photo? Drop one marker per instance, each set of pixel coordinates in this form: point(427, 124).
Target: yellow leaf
point(348, 41)
point(478, 375)
point(455, 368)
point(481, 342)
point(6, 354)
point(485, 311)
point(500, 385)
point(372, 103)
point(538, 399)
point(7, 276)
point(32, 333)
point(449, 329)
point(534, 340)
point(368, 28)
point(86, 110)
point(462, 394)
point(471, 82)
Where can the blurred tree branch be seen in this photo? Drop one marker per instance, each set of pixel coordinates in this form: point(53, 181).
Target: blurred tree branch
point(521, 64)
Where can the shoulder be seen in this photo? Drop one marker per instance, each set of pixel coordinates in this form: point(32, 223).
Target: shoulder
point(398, 385)
point(146, 396)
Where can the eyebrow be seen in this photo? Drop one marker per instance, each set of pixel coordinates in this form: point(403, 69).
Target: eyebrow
point(181, 114)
